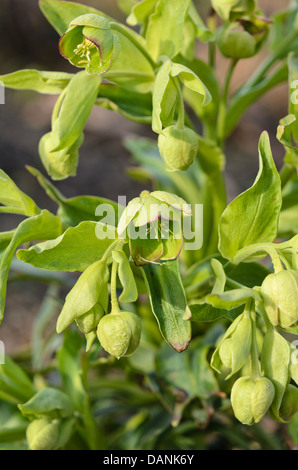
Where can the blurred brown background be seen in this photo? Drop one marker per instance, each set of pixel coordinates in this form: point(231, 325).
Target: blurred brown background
point(28, 41)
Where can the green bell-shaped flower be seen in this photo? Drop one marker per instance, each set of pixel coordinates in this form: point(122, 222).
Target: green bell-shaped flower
point(119, 333)
point(62, 163)
point(251, 398)
point(42, 434)
point(90, 43)
point(178, 147)
point(235, 42)
point(152, 223)
point(234, 348)
point(289, 404)
point(279, 292)
point(228, 9)
point(89, 321)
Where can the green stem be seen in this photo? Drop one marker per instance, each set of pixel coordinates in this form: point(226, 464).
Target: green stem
point(255, 371)
point(181, 110)
point(221, 123)
point(114, 299)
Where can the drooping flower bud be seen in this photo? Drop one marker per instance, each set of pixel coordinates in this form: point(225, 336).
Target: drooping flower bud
point(42, 434)
point(235, 42)
point(280, 296)
point(119, 333)
point(89, 43)
point(89, 321)
point(289, 404)
point(251, 399)
point(178, 147)
point(235, 346)
point(62, 163)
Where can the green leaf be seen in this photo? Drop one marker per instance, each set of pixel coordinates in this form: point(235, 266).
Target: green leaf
point(132, 69)
point(205, 313)
point(76, 107)
point(220, 276)
point(248, 274)
point(275, 361)
point(231, 299)
point(60, 13)
point(15, 385)
point(37, 80)
point(70, 368)
point(130, 291)
point(202, 32)
point(165, 94)
point(253, 216)
point(207, 113)
point(84, 295)
point(13, 199)
point(283, 37)
point(189, 372)
point(47, 403)
point(132, 105)
point(165, 28)
point(74, 250)
point(42, 226)
point(168, 302)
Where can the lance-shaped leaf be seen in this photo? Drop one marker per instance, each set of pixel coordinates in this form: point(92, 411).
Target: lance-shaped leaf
point(13, 199)
point(84, 295)
point(74, 250)
point(76, 107)
point(130, 291)
point(168, 302)
point(37, 80)
point(165, 28)
point(47, 403)
point(132, 105)
point(232, 298)
point(253, 216)
point(275, 361)
point(237, 345)
point(165, 94)
point(59, 148)
point(15, 385)
point(42, 226)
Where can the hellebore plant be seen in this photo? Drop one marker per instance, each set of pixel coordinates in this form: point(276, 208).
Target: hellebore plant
point(141, 296)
